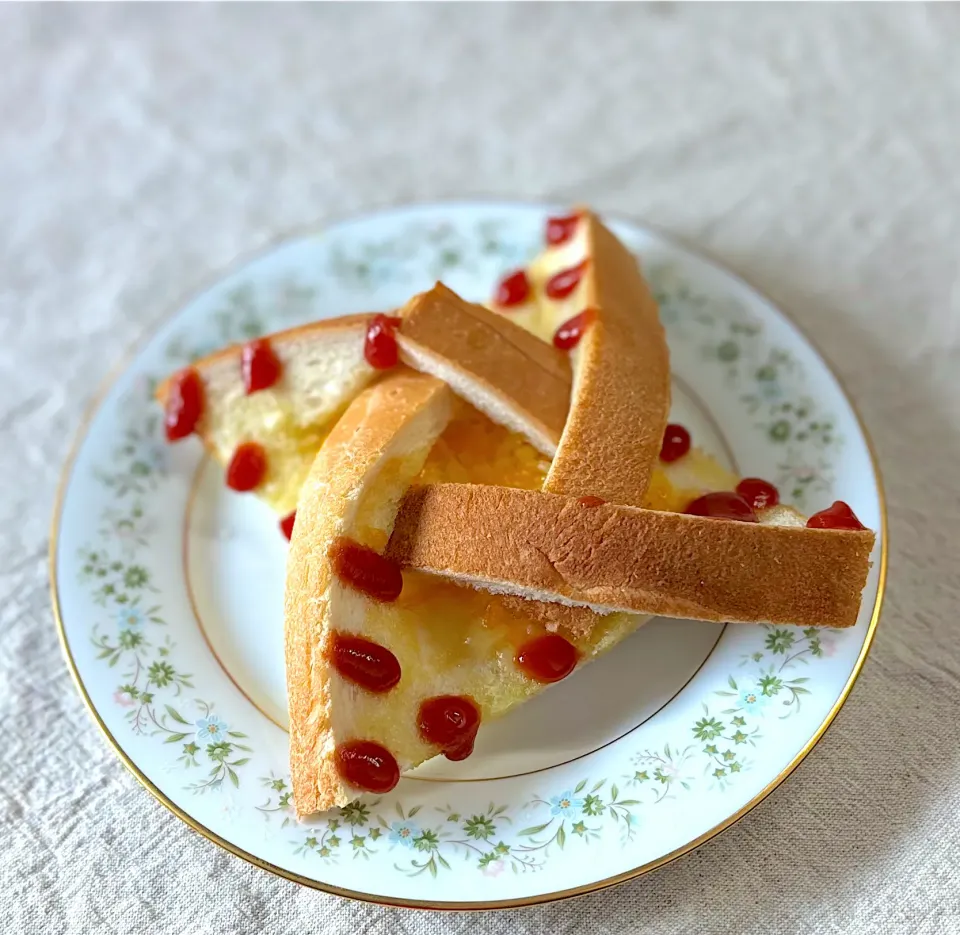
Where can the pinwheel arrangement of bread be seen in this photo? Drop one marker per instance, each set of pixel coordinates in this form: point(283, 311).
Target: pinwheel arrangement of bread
point(481, 500)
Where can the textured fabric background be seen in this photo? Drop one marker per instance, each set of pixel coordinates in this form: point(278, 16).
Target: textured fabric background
point(815, 150)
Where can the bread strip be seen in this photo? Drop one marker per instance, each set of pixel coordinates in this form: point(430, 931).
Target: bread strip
point(504, 371)
point(621, 389)
point(614, 557)
point(377, 447)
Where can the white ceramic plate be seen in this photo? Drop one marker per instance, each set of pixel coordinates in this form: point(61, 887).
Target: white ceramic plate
point(168, 595)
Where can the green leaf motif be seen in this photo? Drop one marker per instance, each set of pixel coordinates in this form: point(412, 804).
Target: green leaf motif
point(707, 728)
point(779, 641)
point(172, 711)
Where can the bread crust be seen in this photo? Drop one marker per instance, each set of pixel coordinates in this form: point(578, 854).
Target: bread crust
point(500, 368)
point(621, 392)
point(614, 557)
point(386, 421)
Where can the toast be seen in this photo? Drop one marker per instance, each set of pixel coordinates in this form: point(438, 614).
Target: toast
point(621, 387)
point(322, 370)
point(515, 378)
point(610, 557)
point(499, 367)
point(447, 640)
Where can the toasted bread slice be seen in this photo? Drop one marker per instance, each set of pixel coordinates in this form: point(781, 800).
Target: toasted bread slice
point(366, 463)
point(497, 366)
point(448, 639)
point(323, 369)
point(621, 387)
point(515, 378)
point(619, 558)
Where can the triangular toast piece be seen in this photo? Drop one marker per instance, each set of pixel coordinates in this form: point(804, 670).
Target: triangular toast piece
point(321, 369)
point(446, 643)
point(621, 389)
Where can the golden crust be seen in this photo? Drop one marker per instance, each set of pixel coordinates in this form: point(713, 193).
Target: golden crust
point(404, 410)
point(625, 558)
point(621, 394)
point(502, 369)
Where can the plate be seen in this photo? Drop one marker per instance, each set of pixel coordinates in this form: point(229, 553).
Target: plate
point(167, 590)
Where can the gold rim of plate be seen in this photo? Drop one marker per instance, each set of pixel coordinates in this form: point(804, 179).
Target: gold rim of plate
point(557, 895)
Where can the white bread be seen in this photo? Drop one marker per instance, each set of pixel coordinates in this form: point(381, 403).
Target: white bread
point(448, 639)
point(619, 558)
point(323, 369)
point(621, 385)
point(376, 448)
point(500, 368)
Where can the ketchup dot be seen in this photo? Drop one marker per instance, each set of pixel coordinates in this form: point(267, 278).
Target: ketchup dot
point(560, 230)
point(571, 331)
point(548, 658)
point(513, 289)
point(590, 501)
point(184, 404)
point(286, 524)
point(259, 365)
point(450, 722)
point(723, 504)
point(380, 343)
point(676, 443)
point(367, 766)
point(760, 494)
point(365, 570)
point(563, 283)
point(837, 516)
point(367, 664)
point(247, 467)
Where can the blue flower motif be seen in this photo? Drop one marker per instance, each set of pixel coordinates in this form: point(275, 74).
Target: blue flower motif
point(130, 616)
point(403, 833)
point(753, 700)
point(566, 806)
point(211, 729)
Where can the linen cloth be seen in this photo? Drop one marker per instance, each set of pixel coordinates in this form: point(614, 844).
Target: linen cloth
point(815, 150)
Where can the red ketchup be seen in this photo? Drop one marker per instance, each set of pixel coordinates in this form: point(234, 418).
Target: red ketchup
point(184, 405)
point(590, 501)
point(367, 766)
point(380, 343)
point(548, 658)
point(286, 524)
point(366, 571)
point(259, 365)
point(247, 467)
point(676, 443)
point(837, 516)
point(513, 289)
point(451, 723)
point(568, 335)
point(560, 230)
point(723, 504)
point(560, 285)
point(760, 494)
point(367, 664)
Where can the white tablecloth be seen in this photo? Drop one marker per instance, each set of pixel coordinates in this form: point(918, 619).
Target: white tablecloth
point(815, 150)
